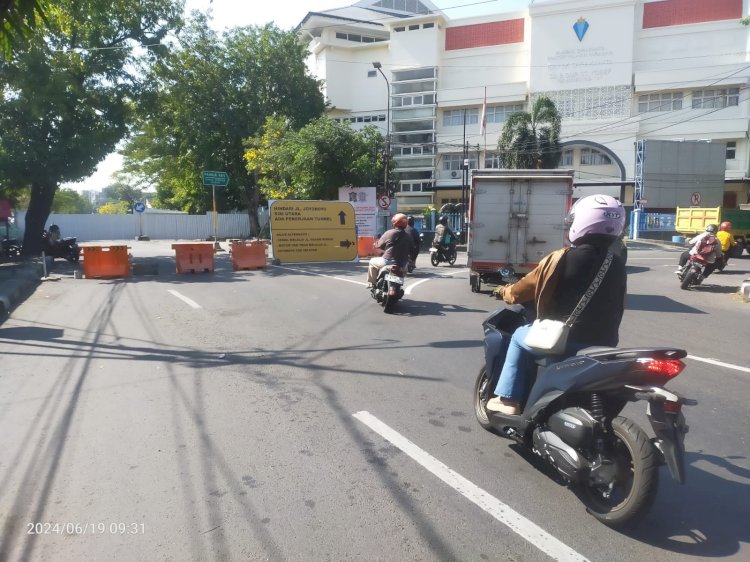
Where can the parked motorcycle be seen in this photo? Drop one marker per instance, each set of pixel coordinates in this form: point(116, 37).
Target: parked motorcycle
point(55, 247)
point(571, 418)
point(442, 254)
point(692, 273)
point(10, 248)
point(389, 286)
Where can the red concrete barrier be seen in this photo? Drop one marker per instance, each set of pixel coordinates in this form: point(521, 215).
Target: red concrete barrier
point(194, 257)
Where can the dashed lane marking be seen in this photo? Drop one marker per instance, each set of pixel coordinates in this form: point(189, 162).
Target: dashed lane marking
point(506, 515)
point(184, 299)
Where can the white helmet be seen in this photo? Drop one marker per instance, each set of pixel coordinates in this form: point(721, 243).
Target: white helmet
point(596, 214)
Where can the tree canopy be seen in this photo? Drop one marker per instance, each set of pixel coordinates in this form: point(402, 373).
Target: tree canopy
point(315, 161)
point(532, 139)
point(206, 98)
point(18, 18)
point(67, 91)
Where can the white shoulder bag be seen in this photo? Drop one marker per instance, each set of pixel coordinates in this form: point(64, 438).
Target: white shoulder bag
point(550, 337)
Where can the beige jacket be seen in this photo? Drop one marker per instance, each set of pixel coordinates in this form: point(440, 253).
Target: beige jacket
point(538, 285)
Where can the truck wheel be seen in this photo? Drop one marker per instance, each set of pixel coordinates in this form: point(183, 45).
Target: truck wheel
point(476, 283)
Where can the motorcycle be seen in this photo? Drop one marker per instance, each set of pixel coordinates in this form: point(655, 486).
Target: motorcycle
point(10, 248)
point(389, 286)
point(442, 254)
point(692, 273)
point(412, 265)
point(66, 248)
point(572, 419)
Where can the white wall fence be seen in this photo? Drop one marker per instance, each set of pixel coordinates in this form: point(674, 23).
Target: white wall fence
point(155, 225)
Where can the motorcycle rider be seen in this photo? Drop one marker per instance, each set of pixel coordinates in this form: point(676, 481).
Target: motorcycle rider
point(695, 242)
point(412, 231)
point(397, 246)
point(445, 238)
point(727, 240)
point(556, 286)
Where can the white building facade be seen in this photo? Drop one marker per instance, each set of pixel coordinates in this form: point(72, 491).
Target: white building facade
point(618, 71)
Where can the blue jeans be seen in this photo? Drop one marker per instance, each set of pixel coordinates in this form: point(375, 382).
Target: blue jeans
point(519, 365)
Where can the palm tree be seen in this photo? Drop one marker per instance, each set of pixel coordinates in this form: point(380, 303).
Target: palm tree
point(532, 139)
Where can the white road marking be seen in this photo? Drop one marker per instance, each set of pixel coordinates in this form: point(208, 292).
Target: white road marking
point(719, 363)
point(512, 519)
point(323, 275)
point(183, 298)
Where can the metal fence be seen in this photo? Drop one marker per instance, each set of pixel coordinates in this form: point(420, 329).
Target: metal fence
point(157, 226)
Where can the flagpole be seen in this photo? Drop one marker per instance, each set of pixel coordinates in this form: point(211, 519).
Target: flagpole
point(485, 122)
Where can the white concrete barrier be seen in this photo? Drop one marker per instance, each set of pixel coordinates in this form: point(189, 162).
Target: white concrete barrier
point(745, 290)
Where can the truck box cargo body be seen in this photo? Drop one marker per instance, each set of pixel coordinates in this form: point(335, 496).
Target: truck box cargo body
point(516, 217)
point(690, 221)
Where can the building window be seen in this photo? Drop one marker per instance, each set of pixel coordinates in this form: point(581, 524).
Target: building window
point(454, 162)
point(372, 73)
point(413, 27)
point(660, 102)
point(399, 29)
point(592, 157)
point(731, 150)
point(455, 117)
point(567, 157)
point(492, 160)
point(499, 113)
point(428, 25)
point(716, 99)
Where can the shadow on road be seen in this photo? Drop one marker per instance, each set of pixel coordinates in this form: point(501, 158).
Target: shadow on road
point(658, 303)
point(707, 517)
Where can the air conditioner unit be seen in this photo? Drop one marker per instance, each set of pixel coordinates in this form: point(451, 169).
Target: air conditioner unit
point(454, 174)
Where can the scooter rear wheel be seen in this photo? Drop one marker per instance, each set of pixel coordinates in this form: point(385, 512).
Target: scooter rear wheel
point(633, 487)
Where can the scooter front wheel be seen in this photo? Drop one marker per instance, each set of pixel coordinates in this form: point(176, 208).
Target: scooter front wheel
point(434, 260)
point(689, 279)
point(452, 259)
point(482, 393)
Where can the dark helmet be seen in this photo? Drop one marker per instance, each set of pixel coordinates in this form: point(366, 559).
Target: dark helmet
point(443, 220)
point(712, 228)
point(410, 220)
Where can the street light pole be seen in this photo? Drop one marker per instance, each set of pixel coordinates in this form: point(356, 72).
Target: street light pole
point(387, 155)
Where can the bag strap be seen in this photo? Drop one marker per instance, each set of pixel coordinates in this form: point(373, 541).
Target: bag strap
point(591, 290)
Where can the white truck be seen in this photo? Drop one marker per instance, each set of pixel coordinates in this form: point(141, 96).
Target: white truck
point(516, 217)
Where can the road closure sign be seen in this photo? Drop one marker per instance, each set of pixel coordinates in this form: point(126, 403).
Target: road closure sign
point(313, 231)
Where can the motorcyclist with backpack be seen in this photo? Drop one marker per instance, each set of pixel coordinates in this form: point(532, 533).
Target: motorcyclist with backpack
point(396, 245)
point(445, 238)
point(705, 245)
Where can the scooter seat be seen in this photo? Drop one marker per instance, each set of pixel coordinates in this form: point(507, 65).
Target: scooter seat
point(596, 350)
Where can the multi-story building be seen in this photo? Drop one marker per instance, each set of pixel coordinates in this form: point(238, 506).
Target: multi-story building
point(618, 71)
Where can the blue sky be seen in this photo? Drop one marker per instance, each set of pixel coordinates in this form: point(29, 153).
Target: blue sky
point(287, 14)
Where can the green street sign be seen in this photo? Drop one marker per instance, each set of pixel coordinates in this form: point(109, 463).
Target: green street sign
point(217, 179)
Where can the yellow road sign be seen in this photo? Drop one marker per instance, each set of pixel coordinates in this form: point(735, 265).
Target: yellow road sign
point(313, 231)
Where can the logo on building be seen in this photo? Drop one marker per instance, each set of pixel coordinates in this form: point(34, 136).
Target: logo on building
point(581, 27)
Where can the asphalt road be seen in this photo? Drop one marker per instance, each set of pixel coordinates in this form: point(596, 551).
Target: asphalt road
point(246, 416)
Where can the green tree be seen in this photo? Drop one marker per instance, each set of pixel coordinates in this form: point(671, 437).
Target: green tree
point(66, 94)
point(315, 161)
point(18, 18)
point(121, 191)
point(532, 139)
point(69, 201)
point(207, 97)
point(115, 208)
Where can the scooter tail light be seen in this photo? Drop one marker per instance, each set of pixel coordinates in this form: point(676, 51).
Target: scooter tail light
point(670, 368)
point(672, 407)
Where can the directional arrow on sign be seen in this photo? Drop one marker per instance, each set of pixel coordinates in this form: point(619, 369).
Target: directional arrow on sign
point(345, 243)
point(342, 217)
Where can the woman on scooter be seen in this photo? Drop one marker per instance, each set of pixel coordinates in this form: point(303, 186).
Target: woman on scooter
point(556, 286)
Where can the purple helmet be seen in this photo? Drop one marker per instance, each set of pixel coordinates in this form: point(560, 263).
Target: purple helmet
point(596, 214)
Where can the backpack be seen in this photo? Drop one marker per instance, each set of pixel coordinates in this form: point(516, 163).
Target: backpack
point(706, 245)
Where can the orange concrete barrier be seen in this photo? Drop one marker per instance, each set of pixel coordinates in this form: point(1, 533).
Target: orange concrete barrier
point(250, 254)
point(365, 246)
point(106, 262)
point(194, 257)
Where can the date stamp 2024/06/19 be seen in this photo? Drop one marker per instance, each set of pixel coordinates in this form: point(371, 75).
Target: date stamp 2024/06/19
point(85, 528)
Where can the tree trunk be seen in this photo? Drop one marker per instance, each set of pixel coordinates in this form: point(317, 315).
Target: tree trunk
point(40, 205)
point(252, 199)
